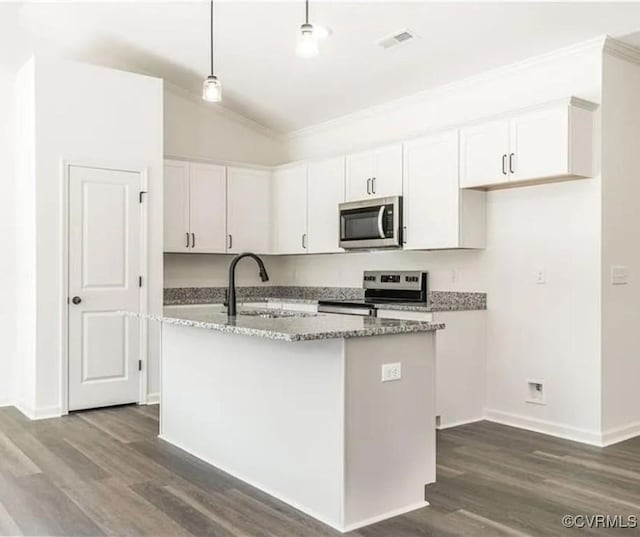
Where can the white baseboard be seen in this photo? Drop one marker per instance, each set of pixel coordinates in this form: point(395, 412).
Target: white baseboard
point(5, 402)
point(450, 424)
point(39, 413)
point(619, 434)
point(384, 516)
point(153, 398)
point(551, 428)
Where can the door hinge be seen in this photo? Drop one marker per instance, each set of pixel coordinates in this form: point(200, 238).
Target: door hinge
point(141, 195)
point(139, 281)
point(139, 365)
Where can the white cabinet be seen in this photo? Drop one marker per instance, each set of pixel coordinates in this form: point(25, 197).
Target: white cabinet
point(194, 207)
point(326, 184)
point(176, 206)
point(290, 210)
point(437, 214)
point(376, 173)
point(550, 142)
point(484, 150)
point(460, 363)
point(248, 210)
point(207, 208)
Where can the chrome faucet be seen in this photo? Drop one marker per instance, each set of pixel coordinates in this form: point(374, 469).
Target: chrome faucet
point(231, 294)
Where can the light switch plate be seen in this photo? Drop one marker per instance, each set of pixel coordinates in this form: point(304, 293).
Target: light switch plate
point(619, 275)
point(391, 372)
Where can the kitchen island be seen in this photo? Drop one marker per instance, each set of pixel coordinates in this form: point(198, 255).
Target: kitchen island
point(295, 405)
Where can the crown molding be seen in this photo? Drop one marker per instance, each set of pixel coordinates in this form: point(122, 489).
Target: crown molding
point(222, 110)
point(594, 43)
point(622, 50)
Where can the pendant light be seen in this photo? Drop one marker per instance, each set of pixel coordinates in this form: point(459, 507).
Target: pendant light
point(212, 87)
point(307, 42)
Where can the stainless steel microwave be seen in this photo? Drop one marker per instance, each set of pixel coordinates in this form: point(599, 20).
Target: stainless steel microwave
point(371, 223)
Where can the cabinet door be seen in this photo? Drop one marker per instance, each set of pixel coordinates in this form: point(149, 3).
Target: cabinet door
point(360, 171)
point(326, 185)
point(248, 210)
point(208, 201)
point(176, 206)
point(539, 144)
point(484, 151)
point(387, 178)
point(431, 192)
point(290, 210)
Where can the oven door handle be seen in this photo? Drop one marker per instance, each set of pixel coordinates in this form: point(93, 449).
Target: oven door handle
point(380, 219)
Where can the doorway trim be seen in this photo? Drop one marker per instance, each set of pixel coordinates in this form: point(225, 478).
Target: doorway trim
point(143, 295)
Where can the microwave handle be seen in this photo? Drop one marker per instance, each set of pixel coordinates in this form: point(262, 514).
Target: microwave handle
point(380, 219)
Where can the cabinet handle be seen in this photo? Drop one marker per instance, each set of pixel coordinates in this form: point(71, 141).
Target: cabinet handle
point(404, 235)
point(304, 240)
point(511, 155)
point(369, 186)
point(230, 241)
point(373, 185)
point(193, 240)
point(504, 164)
point(187, 239)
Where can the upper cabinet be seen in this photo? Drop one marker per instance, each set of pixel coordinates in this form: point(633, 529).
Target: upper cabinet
point(326, 185)
point(437, 213)
point(376, 173)
point(248, 210)
point(546, 143)
point(290, 210)
point(194, 207)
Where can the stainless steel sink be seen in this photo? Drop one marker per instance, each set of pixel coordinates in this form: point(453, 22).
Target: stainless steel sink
point(275, 314)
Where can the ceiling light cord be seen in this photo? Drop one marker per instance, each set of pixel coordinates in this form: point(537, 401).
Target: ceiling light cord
point(211, 34)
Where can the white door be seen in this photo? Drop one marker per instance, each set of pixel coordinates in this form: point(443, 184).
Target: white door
point(432, 195)
point(104, 268)
point(176, 206)
point(290, 210)
point(540, 144)
point(360, 172)
point(248, 210)
point(484, 153)
point(207, 208)
point(325, 192)
point(387, 179)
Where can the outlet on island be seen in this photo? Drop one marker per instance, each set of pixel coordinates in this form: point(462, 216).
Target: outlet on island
point(391, 371)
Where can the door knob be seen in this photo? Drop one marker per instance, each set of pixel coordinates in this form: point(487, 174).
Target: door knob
point(76, 300)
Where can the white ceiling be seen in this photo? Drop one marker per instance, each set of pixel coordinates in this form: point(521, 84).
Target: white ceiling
point(265, 81)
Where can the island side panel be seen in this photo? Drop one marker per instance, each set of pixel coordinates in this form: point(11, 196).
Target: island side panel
point(390, 426)
point(268, 412)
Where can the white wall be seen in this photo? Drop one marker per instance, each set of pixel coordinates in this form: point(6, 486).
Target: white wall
point(549, 332)
point(84, 113)
point(196, 129)
point(7, 236)
point(620, 247)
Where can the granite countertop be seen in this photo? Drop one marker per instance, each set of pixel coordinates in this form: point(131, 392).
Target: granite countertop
point(436, 300)
point(302, 327)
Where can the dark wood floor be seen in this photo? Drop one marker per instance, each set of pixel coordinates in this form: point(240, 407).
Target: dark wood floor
point(104, 472)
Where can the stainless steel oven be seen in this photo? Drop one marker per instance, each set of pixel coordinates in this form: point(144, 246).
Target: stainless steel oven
point(371, 223)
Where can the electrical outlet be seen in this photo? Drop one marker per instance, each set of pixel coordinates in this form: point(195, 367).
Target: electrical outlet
point(391, 371)
point(619, 275)
point(535, 392)
point(541, 275)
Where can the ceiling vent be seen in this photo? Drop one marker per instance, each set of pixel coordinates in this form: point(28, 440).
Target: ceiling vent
point(397, 38)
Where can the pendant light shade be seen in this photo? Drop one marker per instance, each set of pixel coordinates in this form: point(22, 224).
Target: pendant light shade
point(307, 42)
point(212, 87)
